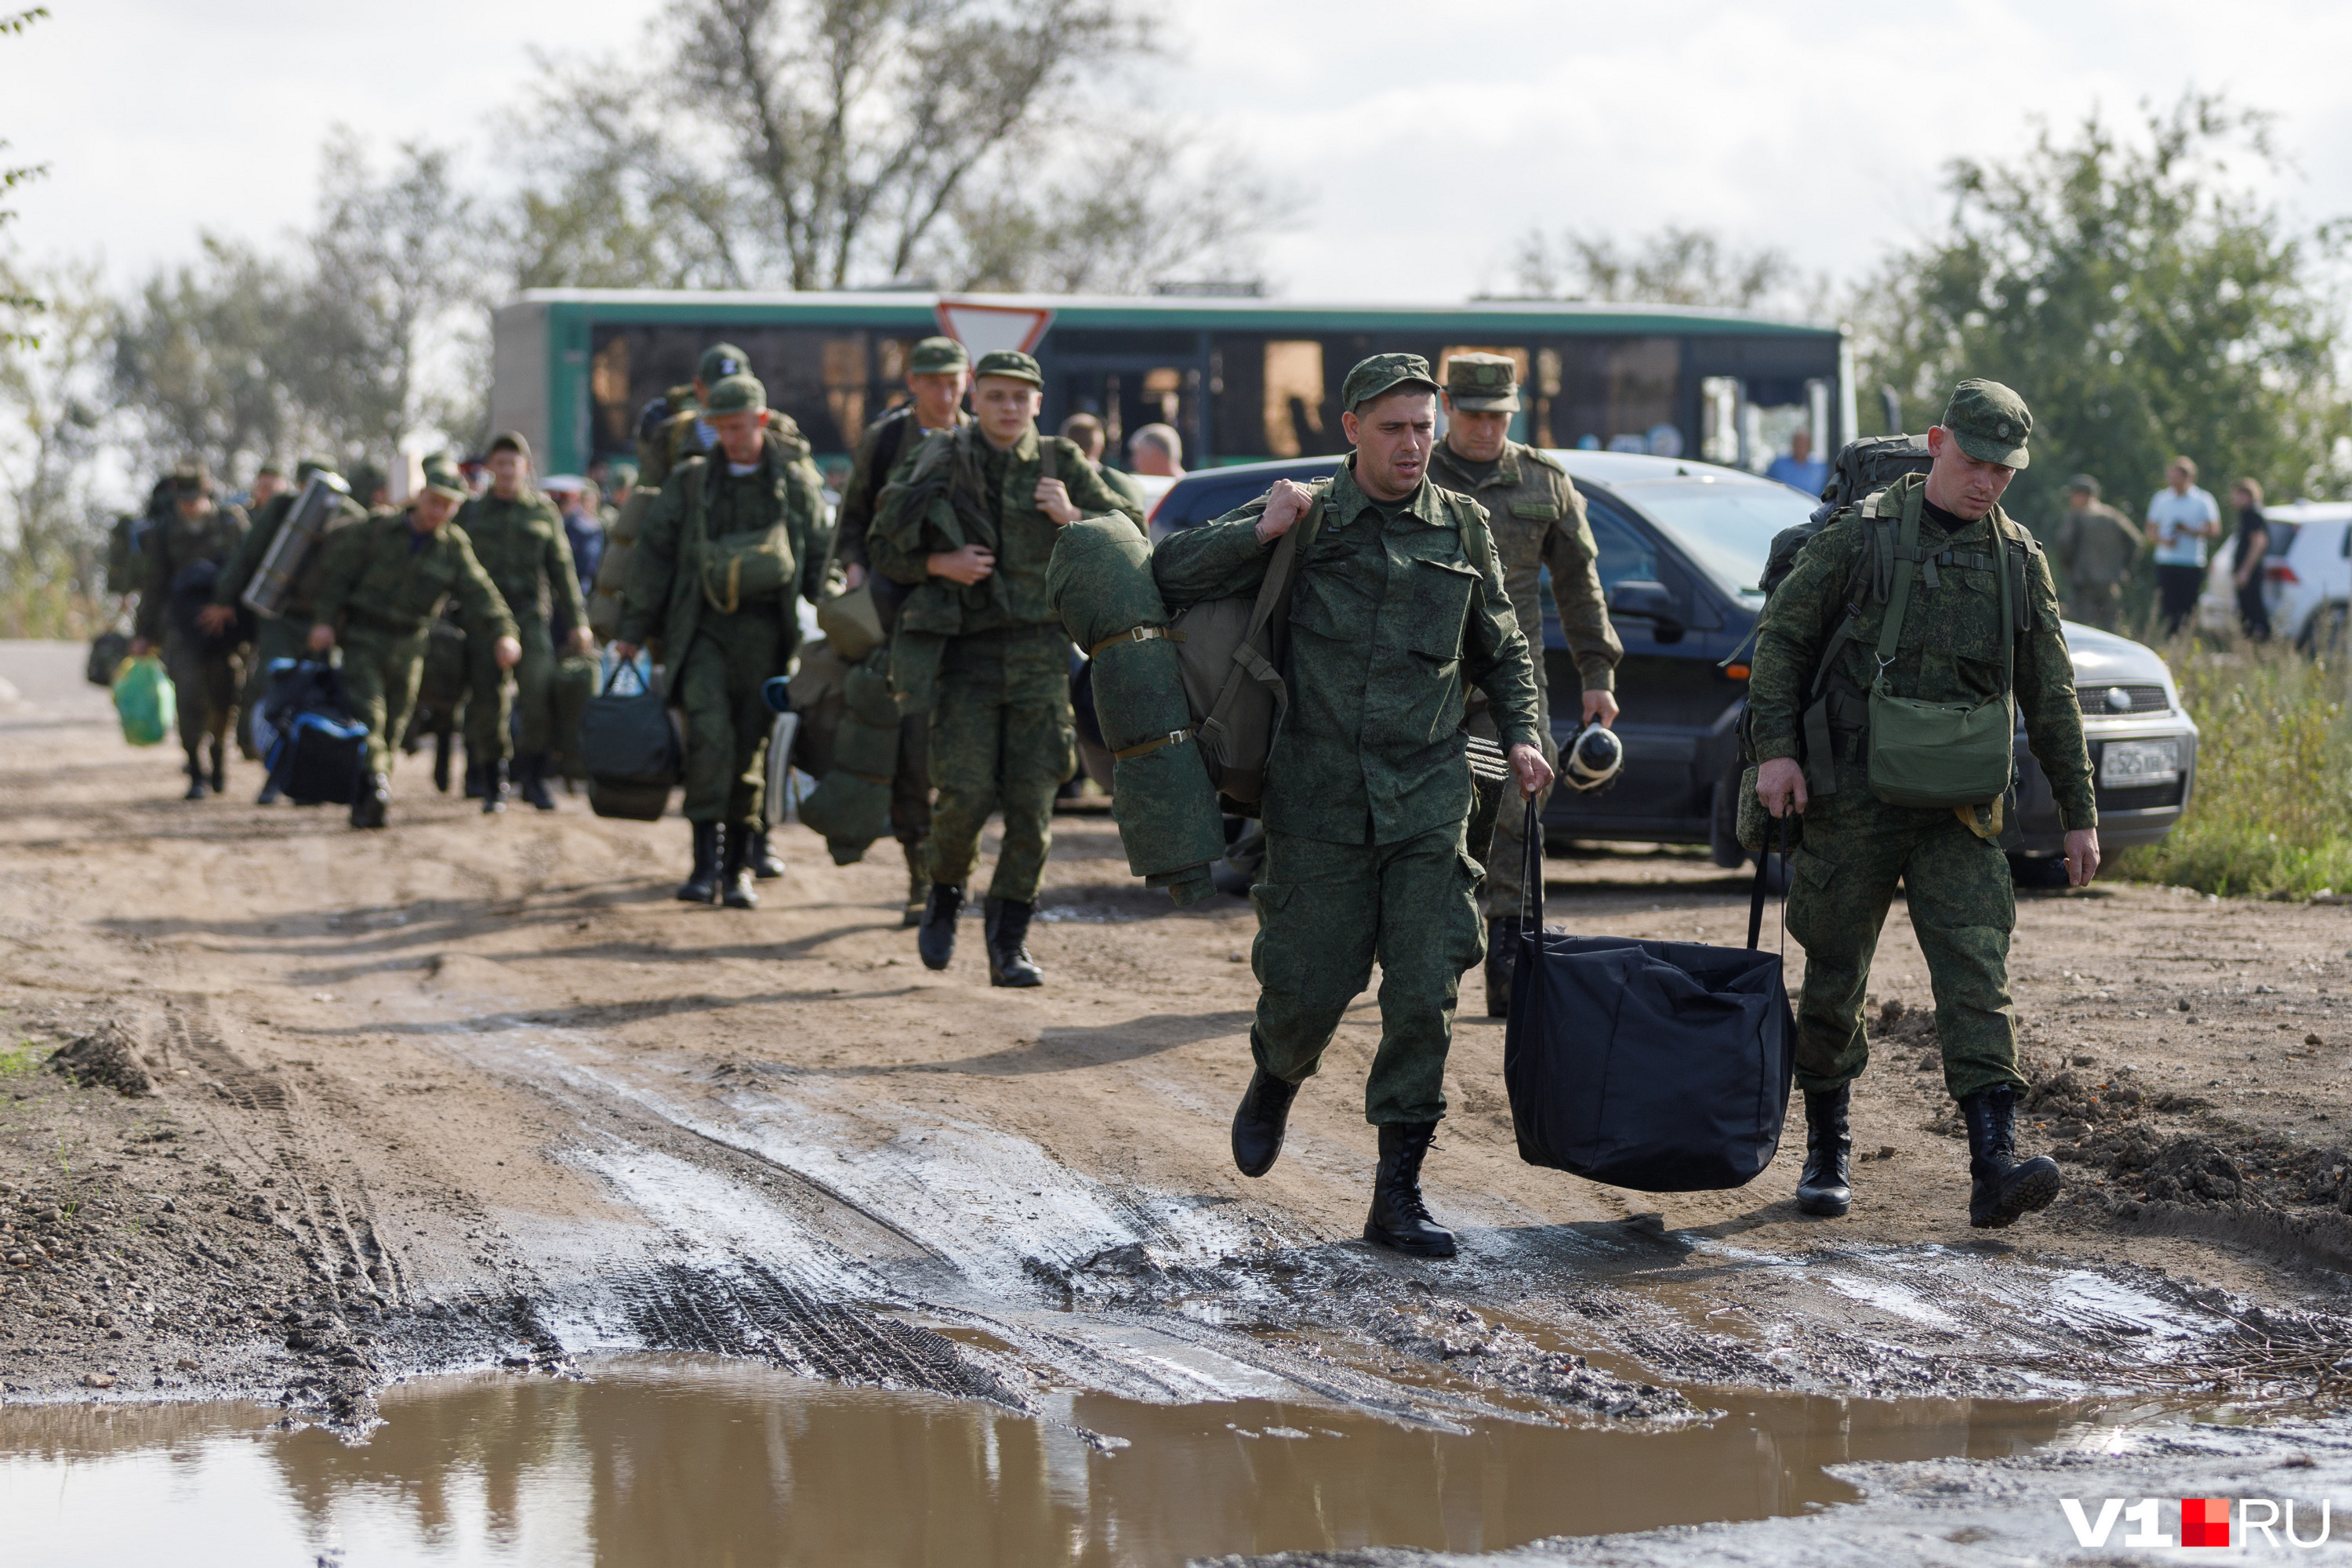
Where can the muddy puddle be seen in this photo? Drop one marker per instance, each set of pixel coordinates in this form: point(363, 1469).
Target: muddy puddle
point(662, 1460)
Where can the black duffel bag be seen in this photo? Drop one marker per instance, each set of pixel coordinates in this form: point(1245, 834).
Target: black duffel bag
point(106, 651)
point(1659, 1066)
point(627, 747)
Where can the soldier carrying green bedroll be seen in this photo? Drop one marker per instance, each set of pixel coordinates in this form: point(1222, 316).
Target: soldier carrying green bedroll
point(1882, 707)
point(181, 551)
point(1396, 610)
point(939, 374)
point(1537, 517)
point(381, 586)
point(285, 635)
point(517, 536)
point(969, 526)
point(731, 541)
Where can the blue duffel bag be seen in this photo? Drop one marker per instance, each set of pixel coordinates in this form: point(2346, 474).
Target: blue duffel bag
point(1663, 1067)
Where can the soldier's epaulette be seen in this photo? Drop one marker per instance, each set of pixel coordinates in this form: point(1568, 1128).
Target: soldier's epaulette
point(1538, 455)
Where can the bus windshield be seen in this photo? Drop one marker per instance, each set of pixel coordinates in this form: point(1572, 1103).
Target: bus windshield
point(1724, 526)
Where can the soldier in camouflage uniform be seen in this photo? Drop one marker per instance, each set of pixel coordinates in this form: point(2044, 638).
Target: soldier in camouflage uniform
point(180, 552)
point(2098, 547)
point(1397, 609)
point(381, 586)
point(1855, 847)
point(726, 546)
point(969, 528)
point(285, 635)
point(517, 535)
point(1538, 521)
point(939, 372)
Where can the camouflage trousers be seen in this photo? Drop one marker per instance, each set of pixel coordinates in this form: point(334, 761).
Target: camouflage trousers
point(1003, 738)
point(1497, 838)
point(380, 672)
point(911, 783)
point(207, 691)
point(727, 720)
point(505, 717)
point(1963, 906)
point(1325, 911)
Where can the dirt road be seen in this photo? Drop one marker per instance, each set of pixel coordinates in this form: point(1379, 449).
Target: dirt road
point(471, 1090)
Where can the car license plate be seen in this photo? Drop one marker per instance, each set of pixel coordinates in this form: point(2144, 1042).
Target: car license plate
point(2134, 764)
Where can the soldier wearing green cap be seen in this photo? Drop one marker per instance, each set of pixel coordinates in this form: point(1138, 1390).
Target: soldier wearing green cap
point(381, 586)
point(2097, 547)
point(939, 372)
point(1537, 519)
point(968, 527)
point(1398, 608)
point(183, 553)
point(1899, 606)
point(517, 536)
point(285, 635)
point(725, 548)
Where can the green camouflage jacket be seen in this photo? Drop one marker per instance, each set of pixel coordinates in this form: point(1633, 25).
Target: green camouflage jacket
point(700, 502)
point(1394, 612)
point(1537, 519)
point(255, 549)
point(1948, 652)
point(2098, 545)
point(174, 544)
point(522, 545)
point(863, 488)
point(385, 578)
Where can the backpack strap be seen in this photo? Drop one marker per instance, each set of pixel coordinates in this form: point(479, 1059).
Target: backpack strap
point(1258, 658)
point(1048, 459)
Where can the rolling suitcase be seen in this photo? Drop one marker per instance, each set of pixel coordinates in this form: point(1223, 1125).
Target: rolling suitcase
point(1663, 1067)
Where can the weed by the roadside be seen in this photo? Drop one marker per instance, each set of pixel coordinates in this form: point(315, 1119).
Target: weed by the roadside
point(23, 1059)
point(2273, 808)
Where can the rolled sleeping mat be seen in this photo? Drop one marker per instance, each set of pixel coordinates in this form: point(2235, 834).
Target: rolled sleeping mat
point(867, 688)
point(851, 812)
point(1099, 581)
point(871, 750)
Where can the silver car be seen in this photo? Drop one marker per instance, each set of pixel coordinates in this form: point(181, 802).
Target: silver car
point(2143, 755)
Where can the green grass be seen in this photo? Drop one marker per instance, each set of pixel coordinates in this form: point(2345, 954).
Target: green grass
point(23, 1059)
point(2271, 815)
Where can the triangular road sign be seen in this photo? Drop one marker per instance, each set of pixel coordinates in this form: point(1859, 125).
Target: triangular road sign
point(983, 326)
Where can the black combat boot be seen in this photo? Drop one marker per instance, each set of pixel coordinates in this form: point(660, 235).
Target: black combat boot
point(1825, 1187)
point(493, 786)
point(2002, 1186)
point(530, 781)
point(919, 884)
point(195, 776)
point(735, 874)
point(474, 771)
point(701, 885)
point(441, 750)
point(220, 767)
point(1005, 929)
point(766, 863)
point(1502, 957)
point(1399, 1218)
point(935, 934)
point(1258, 1125)
point(270, 791)
point(368, 805)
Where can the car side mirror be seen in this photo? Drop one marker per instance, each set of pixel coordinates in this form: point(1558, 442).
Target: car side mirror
point(1652, 602)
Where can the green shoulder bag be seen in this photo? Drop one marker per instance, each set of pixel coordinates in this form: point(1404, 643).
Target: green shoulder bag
point(1940, 754)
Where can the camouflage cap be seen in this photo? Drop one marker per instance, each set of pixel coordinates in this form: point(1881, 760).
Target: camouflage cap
point(738, 393)
point(938, 356)
point(192, 477)
point(2084, 483)
point(620, 471)
point(1010, 363)
point(720, 361)
point(365, 479)
point(1383, 372)
point(510, 441)
point(1991, 422)
point(1482, 384)
point(441, 475)
point(270, 467)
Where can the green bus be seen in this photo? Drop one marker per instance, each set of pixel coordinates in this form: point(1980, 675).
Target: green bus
point(1240, 379)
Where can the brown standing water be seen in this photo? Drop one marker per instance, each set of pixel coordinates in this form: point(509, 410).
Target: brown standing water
point(654, 1461)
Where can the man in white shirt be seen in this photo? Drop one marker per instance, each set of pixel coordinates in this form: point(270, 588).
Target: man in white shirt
point(2180, 521)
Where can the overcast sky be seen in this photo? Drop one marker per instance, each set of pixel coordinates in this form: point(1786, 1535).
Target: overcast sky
point(1421, 140)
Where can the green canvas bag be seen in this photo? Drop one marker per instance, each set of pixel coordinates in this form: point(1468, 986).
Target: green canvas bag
point(1940, 754)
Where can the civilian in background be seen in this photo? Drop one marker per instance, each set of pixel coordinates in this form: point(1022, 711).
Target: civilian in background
point(2253, 544)
point(1157, 450)
point(1798, 468)
point(2180, 521)
point(1085, 432)
point(582, 527)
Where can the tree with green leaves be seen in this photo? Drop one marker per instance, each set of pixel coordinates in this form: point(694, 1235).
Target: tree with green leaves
point(2140, 295)
point(20, 305)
